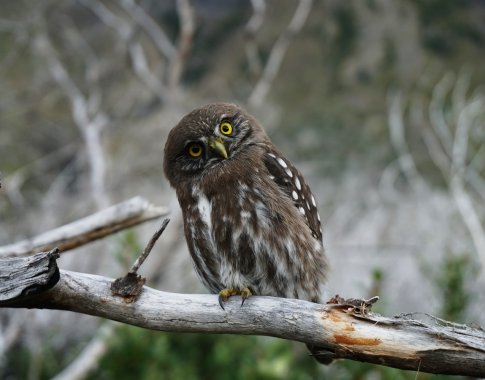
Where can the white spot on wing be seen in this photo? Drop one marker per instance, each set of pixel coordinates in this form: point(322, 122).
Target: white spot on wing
point(313, 201)
point(302, 210)
point(282, 162)
point(297, 183)
point(294, 195)
point(318, 217)
point(271, 155)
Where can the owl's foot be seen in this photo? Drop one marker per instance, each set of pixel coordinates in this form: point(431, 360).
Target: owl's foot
point(224, 295)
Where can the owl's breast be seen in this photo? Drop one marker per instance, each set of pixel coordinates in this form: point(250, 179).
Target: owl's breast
point(226, 232)
point(237, 239)
point(221, 221)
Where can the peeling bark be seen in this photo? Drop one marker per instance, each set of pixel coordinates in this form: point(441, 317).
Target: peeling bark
point(23, 277)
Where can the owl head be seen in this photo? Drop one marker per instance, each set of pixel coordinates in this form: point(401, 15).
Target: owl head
point(208, 138)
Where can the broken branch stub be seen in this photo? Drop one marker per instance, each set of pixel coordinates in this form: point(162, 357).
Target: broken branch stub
point(28, 276)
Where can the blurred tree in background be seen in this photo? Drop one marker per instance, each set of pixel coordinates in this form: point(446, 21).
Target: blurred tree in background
point(380, 103)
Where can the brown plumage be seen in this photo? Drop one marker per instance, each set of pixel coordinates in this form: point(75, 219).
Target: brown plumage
point(250, 219)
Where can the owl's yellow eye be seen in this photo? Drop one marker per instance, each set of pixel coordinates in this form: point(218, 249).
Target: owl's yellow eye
point(195, 150)
point(225, 128)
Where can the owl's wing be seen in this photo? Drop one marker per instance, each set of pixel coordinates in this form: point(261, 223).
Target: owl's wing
point(291, 182)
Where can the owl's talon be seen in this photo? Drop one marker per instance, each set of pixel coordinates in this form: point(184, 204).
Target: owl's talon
point(224, 295)
point(221, 302)
point(245, 294)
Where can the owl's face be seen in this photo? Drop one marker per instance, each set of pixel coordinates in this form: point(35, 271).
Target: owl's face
point(207, 138)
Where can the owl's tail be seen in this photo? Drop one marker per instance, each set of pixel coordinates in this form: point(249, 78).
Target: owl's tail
point(321, 354)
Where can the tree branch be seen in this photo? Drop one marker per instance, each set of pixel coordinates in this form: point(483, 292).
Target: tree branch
point(278, 51)
point(151, 27)
point(398, 140)
point(435, 346)
point(453, 144)
point(251, 29)
point(187, 27)
point(80, 367)
point(89, 124)
point(108, 221)
point(126, 28)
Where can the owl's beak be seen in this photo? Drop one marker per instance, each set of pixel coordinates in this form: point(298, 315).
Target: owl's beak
point(217, 145)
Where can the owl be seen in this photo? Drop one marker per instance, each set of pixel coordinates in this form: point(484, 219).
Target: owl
point(250, 219)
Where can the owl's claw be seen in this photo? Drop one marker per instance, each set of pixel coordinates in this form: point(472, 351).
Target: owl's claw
point(224, 295)
point(245, 294)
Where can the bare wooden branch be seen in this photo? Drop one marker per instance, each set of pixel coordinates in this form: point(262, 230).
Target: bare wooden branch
point(453, 147)
point(471, 217)
point(96, 226)
point(398, 140)
point(187, 27)
point(89, 125)
point(20, 277)
point(139, 261)
point(126, 28)
point(131, 285)
point(251, 29)
point(437, 114)
point(83, 364)
point(153, 30)
point(278, 51)
point(433, 346)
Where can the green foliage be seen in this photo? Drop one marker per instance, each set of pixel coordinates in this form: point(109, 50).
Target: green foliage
point(343, 42)
point(346, 36)
point(127, 248)
point(143, 354)
point(389, 58)
point(452, 283)
point(432, 11)
point(138, 353)
point(41, 362)
point(208, 40)
point(135, 353)
point(446, 24)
